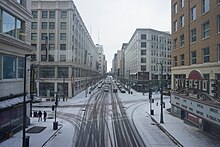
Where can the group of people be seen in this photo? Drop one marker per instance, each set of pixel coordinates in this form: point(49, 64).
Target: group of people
point(40, 116)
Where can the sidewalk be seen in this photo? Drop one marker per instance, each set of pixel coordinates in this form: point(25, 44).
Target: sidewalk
point(182, 132)
point(46, 137)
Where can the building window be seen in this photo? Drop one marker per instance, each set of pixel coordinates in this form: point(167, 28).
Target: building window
point(182, 40)
point(33, 36)
point(63, 14)
point(44, 14)
point(46, 89)
point(205, 6)
point(143, 44)
point(175, 43)
point(193, 35)
point(51, 57)
point(43, 36)
point(43, 58)
point(175, 26)
point(181, 3)
point(143, 67)
point(63, 25)
point(62, 72)
point(47, 72)
point(182, 59)
point(62, 58)
point(43, 47)
point(62, 46)
point(205, 55)
point(143, 36)
point(193, 13)
point(175, 8)
point(44, 25)
point(11, 25)
point(20, 67)
point(51, 14)
point(205, 29)
point(62, 36)
point(193, 57)
point(175, 60)
point(182, 21)
point(34, 14)
point(9, 67)
point(34, 25)
point(143, 60)
point(51, 25)
point(51, 47)
point(218, 23)
point(51, 36)
point(143, 52)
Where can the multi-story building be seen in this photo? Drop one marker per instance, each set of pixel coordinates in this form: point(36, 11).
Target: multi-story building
point(66, 54)
point(15, 42)
point(122, 63)
point(115, 66)
point(101, 59)
point(196, 62)
point(146, 48)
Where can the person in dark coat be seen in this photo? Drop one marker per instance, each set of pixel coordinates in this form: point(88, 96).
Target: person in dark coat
point(45, 115)
point(39, 116)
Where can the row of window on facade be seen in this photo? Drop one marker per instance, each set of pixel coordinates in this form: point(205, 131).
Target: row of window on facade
point(49, 14)
point(193, 34)
point(50, 25)
point(157, 53)
point(205, 56)
point(50, 36)
point(48, 89)
point(156, 68)
point(205, 25)
point(205, 7)
point(61, 72)
point(11, 67)
point(11, 25)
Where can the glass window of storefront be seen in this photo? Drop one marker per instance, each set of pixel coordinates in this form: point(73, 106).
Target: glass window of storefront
point(20, 67)
point(9, 67)
point(47, 72)
point(62, 72)
point(46, 89)
point(62, 88)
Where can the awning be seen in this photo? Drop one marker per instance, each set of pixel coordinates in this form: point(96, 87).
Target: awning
point(12, 102)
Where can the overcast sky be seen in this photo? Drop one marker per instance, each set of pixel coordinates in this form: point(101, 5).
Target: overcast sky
point(116, 20)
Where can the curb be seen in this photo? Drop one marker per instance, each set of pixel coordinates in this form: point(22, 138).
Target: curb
point(166, 132)
point(52, 136)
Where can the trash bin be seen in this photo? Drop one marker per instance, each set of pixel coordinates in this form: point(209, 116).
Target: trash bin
point(151, 112)
point(35, 113)
point(27, 138)
point(55, 125)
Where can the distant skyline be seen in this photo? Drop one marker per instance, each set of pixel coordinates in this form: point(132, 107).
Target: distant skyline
point(113, 22)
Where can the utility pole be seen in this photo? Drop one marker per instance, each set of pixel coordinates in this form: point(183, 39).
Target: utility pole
point(161, 94)
point(24, 141)
point(129, 84)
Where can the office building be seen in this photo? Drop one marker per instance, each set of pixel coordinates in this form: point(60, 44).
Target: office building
point(67, 58)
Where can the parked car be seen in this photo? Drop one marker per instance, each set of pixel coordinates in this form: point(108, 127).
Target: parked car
point(122, 90)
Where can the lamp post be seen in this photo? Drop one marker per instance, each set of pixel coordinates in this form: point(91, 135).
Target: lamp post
point(33, 56)
point(129, 86)
point(161, 94)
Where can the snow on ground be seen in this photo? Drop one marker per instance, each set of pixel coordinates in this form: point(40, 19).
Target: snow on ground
point(136, 104)
point(63, 133)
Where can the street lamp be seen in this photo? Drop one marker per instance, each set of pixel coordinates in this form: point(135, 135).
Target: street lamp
point(143, 82)
point(86, 90)
point(129, 84)
point(33, 57)
point(161, 94)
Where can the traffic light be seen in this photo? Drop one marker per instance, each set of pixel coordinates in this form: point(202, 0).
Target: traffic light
point(53, 107)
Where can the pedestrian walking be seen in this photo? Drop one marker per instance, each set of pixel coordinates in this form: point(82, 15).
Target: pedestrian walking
point(45, 115)
point(39, 116)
